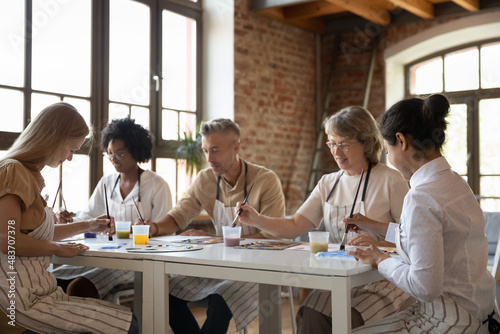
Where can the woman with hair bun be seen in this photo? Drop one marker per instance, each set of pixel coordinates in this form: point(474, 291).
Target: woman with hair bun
point(440, 236)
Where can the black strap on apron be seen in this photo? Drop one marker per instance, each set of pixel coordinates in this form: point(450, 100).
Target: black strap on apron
point(364, 187)
point(139, 172)
point(244, 189)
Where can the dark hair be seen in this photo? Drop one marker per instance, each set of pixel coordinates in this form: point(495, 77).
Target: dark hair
point(422, 120)
point(137, 140)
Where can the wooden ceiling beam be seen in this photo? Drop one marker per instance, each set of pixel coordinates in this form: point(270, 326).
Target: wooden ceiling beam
point(311, 9)
point(366, 9)
point(311, 24)
point(470, 5)
point(421, 8)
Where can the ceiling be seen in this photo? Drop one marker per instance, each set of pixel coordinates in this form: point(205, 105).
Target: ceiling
point(318, 15)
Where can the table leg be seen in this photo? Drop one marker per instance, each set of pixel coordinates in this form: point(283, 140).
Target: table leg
point(269, 309)
point(341, 305)
point(160, 301)
point(148, 292)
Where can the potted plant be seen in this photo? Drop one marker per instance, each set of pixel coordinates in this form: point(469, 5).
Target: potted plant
point(190, 150)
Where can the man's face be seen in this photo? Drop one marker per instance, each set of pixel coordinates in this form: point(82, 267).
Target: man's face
point(221, 151)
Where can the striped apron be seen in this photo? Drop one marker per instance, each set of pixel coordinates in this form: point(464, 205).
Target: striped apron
point(373, 301)
point(241, 297)
point(104, 279)
point(43, 307)
point(442, 315)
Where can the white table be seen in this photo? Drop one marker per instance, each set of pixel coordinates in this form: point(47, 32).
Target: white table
point(269, 268)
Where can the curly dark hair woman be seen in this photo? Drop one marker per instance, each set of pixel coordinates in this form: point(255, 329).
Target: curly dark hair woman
point(137, 139)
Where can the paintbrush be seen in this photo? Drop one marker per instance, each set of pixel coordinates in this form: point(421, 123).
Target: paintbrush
point(138, 212)
point(342, 244)
point(110, 236)
point(233, 224)
point(57, 193)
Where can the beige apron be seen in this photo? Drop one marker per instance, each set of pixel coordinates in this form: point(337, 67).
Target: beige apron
point(43, 307)
point(442, 315)
point(241, 297)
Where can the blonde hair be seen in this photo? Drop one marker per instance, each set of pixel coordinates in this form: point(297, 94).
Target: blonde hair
point(357, 123)
point(46, 136)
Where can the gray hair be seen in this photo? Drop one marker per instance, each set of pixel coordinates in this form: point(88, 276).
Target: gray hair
point(219, 125)
point(357, 123)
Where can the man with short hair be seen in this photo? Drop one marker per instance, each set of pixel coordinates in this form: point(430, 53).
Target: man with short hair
point(217, 189)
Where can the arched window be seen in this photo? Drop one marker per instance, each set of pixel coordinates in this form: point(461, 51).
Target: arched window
point(469, 75)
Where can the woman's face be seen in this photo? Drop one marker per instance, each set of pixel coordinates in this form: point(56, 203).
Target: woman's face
point(120, 157)
point(397, 158)
point(66, 153)
point(348, 153)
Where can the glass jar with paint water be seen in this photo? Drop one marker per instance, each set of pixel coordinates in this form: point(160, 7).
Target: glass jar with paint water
point(122, 230)
point(232, 235)
point(318, 241)
point(141, 234)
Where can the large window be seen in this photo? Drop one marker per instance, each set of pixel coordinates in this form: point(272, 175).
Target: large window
point(110, 59)
point(470, 77)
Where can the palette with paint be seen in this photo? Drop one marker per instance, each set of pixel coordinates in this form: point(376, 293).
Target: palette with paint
point(202, 241)
point(162, 248)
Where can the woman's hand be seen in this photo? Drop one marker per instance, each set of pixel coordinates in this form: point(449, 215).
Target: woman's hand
point(194, 232)
point(371, 255)
point(362, 239)
point(358, 222)
point(69, 249)
point(101, 224)
point(248, 214)
point(63, 216)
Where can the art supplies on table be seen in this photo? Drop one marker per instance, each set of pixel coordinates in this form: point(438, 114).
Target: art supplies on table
point(269, 244)
point(163, 248)
point(337, 254)
point(201, 241)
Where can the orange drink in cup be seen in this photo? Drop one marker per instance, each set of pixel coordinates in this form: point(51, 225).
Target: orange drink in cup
point(141, 234)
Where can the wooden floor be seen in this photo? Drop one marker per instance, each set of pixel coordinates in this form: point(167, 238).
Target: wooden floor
point(253, 327)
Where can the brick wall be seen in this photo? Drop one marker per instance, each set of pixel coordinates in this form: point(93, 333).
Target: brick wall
point(274, 98)
point(275, 91)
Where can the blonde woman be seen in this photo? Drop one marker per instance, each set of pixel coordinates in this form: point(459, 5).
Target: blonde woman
point(25, 220)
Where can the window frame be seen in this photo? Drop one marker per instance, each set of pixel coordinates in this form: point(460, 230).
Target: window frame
point(471, 99)
point(99, 91)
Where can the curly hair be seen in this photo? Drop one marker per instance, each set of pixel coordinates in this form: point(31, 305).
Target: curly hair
point(137, 139)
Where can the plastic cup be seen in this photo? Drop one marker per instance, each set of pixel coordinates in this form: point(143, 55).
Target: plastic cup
point(122, 230)
point(141, 234)
point(318, 241)
point(232, 235)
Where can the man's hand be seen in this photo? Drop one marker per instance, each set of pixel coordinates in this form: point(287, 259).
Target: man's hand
point(194, 232)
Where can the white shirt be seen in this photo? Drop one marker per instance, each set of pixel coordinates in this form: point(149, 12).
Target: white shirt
point(384, 195)
point(442, 233)
point(156, 199)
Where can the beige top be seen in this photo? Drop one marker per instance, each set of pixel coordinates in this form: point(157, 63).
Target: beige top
point(266, 197)
point(16, 179)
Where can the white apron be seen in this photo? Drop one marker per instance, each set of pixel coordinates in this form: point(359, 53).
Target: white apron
point(373, 301)
point(241, 297)
point(105, 280)
point(43, 307)
point(442, 315)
